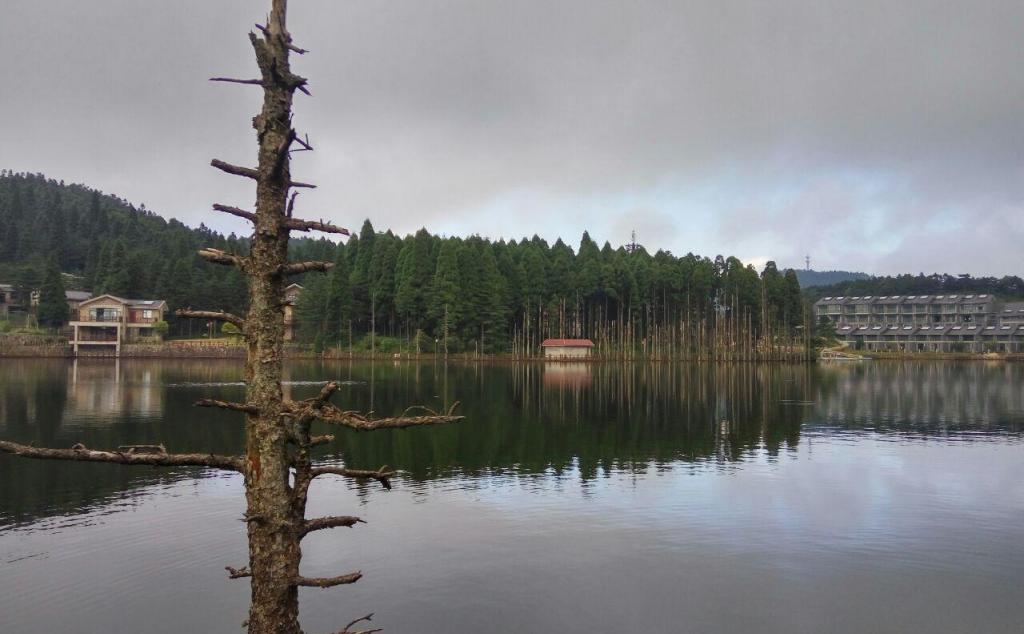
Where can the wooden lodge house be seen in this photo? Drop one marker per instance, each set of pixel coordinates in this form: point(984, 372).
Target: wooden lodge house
point(109, 321)
point(567, 348)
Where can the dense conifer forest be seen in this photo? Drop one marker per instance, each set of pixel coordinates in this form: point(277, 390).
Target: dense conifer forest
point(419, 292)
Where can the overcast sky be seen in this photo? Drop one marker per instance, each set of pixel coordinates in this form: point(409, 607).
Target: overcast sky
point(877, 136)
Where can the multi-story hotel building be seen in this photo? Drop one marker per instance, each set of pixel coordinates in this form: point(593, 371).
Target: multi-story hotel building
point(926, 323)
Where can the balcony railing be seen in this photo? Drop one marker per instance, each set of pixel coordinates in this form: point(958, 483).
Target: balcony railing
point(83, 336)
point(103, 318)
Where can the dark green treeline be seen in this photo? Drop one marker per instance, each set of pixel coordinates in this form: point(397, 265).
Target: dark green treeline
point(426, 293)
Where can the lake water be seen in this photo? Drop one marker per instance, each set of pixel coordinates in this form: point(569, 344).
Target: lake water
point(870, 497)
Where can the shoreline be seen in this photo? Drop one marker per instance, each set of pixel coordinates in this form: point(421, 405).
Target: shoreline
point(192, 351)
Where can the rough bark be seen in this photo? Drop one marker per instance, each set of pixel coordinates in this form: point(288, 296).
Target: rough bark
point(274, 548)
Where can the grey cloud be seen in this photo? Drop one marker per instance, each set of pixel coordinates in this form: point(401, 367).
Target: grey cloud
point(430, 112)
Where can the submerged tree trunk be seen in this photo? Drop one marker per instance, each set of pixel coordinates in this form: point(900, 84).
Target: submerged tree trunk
point(274, 551)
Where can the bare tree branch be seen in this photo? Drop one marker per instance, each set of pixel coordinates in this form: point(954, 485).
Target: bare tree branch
point(294, 268)
point(368, 618)
point(382, 475)
point(296, 224)
point(223, 257)
point(237, 407)
point(237, 170)
point(235, 211)
point(326, 392)
point(215, 315)
point(336, 521)
point(328, 582)
point(315, 441)
point(306, 146)
point(334, 415)
point(82, 453)
point(298, 184)
point(232, 80)
point(238, 573)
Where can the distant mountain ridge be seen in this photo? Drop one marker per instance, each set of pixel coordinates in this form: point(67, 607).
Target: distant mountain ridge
point(1006, 287)
point(809, 278)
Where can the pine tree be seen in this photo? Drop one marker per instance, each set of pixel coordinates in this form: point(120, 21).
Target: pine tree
point(118, 280)
point(311, 309)
point(774, 290)
point(793, 303)
point(445, 305)
point(57, 226)
point(338, 310)
point(10, 237)
point(53, 305)
point(413, 275)
point(382, 279)
point(101, 270)
point(361, 273)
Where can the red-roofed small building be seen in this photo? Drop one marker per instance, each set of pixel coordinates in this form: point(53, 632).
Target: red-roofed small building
point(567, 348)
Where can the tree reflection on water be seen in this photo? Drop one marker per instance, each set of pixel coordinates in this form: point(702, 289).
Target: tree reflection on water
point(526, 419)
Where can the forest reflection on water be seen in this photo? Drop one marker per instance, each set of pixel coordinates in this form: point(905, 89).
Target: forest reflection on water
point(524, 419)
point(692, 481)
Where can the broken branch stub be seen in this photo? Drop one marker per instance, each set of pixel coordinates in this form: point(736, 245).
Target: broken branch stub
point(328, 582)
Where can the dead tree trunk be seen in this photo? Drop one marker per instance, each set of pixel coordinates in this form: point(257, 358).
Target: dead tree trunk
point(277, 466)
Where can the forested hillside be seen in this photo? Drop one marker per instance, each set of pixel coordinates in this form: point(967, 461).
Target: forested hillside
point(825, 278)
point(469, 293)
point(111, 246)
point(1009, 286)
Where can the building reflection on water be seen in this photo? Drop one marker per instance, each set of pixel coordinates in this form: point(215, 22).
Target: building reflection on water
point(102, 387)
point(932, 397)
point(567, 374)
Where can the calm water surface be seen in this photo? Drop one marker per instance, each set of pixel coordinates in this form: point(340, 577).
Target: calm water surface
point(872, 497)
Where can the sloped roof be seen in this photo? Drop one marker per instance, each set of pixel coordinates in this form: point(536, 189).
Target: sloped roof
point(145, 303)
point(567, 343)
point(137, 303)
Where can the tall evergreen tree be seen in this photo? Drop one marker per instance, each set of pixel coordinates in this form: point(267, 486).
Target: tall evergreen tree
point(118, 278)
point(338, 310)
point(10, 231)
point(53, 306)
point(413, 275)
point(445, 304)
point(792, 300)
point(361, 273)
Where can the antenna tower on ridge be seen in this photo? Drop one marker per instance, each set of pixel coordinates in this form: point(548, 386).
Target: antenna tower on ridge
point(633, 245)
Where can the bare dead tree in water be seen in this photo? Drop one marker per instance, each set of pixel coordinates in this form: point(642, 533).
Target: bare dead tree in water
point(277, 465)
